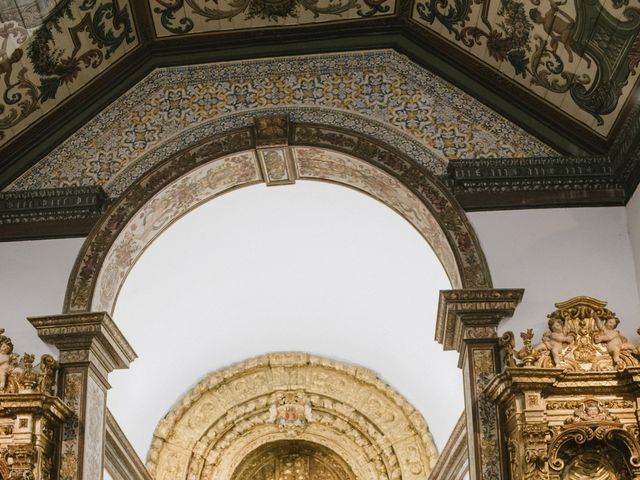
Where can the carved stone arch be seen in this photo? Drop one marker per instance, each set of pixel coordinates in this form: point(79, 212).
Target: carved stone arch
point(282, 397)
point(236, 158)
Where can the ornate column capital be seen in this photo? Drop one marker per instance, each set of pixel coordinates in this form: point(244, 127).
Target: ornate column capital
point(473, 313)
point(86, 338)
point(468, 323)
point(91, 346)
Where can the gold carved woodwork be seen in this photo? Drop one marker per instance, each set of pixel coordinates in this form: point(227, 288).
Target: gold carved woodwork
point(571, 402)
point(293, 460)
point(292, 397)
point(30, 414)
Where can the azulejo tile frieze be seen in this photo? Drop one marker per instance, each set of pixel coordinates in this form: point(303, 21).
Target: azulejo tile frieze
point(41, 68)
point(379, 85)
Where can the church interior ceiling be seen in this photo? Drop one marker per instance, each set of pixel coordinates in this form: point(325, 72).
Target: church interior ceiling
point(499, 97)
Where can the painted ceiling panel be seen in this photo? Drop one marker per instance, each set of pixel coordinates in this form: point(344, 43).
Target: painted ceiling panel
point(200, 16)
point(40, 69)
point(580, 56)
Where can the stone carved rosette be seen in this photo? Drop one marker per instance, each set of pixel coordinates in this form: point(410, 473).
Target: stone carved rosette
point(571, 400)
point(30, 414)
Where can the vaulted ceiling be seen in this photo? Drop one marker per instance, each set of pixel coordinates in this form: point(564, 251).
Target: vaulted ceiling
point(564, 72)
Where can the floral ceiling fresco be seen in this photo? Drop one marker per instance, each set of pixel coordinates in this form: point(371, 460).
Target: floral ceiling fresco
point(40, 68)
point(173, 17)
point(580, 56)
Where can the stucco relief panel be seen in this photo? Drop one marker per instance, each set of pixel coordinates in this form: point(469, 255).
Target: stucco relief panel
point(163, 209)
point(381, 85)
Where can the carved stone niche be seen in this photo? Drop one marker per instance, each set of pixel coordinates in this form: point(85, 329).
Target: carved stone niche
point(30, 414)
point(572, 402)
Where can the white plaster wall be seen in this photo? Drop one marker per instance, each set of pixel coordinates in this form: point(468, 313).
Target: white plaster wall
point(556, 254)
point(312, 267)
point(633, 223)
point(33, 280)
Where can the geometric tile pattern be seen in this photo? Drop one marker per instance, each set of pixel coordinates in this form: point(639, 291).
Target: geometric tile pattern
point(383, 87)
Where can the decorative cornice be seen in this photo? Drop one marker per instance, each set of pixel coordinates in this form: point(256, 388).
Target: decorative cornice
point(86, 338)
point(453, 462)
point(483, 184)
point(53, 407)
point(473, 314)
point(121, 460)
point(69, 211)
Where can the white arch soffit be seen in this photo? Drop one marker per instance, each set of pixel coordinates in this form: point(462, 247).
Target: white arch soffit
point(242, 169)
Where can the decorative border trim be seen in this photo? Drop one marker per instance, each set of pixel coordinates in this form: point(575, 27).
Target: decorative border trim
point(534, 182)
point(54, 212)
point(121, 460)
point(453, 462)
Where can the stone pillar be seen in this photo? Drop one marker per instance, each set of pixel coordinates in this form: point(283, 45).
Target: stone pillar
point(467, 322)
point(91, 346)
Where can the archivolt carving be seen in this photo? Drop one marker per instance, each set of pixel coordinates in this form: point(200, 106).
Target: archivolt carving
point(286, 396)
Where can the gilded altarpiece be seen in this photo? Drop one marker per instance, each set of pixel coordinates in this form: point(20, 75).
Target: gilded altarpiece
point(30, 415)
point(571, 401)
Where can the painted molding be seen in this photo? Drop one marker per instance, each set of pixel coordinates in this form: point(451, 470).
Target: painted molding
point(120, 459)
point(453, 462)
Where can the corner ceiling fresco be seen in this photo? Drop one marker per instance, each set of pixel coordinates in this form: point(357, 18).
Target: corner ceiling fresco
point(580, 56)
point(39, 69)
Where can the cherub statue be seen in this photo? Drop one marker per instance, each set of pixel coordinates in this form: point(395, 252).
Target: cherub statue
point(555, 339)
point(614, 341)
point(8, 363)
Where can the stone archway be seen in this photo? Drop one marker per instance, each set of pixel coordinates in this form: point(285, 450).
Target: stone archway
point(370, 429)
point(246, 157)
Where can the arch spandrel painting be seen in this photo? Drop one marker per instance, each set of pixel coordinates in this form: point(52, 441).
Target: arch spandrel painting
point(272, 416)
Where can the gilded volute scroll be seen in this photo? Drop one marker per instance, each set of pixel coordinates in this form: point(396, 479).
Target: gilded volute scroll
point(30, 414)
point(571, 400)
